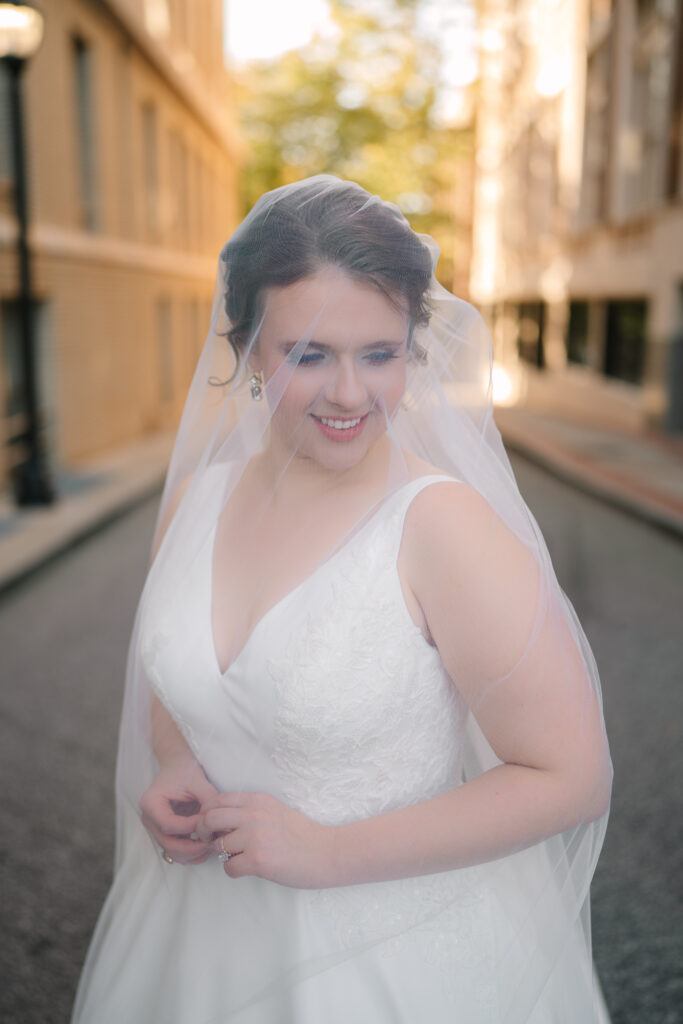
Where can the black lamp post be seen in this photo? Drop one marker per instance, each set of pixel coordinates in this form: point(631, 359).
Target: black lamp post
point(21, 33)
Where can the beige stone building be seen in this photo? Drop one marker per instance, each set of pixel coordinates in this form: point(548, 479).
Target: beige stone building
point(578, 221)
point(133, 157)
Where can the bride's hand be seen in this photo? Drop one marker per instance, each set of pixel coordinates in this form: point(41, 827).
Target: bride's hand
point(268, 839)
point(171, 808)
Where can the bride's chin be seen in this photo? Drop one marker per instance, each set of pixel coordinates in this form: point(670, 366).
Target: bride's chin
point(340, 460)
point(347, 457)
point(335, 457)
point(331, 455)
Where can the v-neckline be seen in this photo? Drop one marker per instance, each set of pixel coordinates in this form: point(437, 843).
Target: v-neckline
point(224, 673)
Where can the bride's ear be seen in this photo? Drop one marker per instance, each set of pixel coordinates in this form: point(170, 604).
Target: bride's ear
point(253, 360)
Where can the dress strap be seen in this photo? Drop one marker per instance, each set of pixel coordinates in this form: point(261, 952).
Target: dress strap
point(405, 496)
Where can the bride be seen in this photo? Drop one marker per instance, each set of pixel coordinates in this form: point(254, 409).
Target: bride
point(363, 773)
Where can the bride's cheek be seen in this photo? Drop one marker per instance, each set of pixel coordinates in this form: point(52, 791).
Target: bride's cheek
point(388, 396)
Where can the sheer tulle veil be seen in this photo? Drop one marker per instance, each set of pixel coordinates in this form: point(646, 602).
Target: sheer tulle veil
point(443, 416)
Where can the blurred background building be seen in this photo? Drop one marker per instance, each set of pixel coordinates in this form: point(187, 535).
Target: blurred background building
point(133, 157)
point(539, 141)
point(578, 217)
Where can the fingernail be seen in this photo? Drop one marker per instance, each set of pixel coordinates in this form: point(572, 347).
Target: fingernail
point(193, 835)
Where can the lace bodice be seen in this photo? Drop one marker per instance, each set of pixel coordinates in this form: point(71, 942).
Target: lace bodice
point(337, 704)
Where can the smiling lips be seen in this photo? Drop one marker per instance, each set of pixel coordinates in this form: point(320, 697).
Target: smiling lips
point(341, 429)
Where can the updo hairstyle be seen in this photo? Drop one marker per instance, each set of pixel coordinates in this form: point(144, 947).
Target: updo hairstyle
point(323, 221)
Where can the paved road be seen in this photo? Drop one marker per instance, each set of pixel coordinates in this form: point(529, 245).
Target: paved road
point(625, 580)
point(63, 637)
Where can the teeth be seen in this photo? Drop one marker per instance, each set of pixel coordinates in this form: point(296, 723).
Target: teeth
point(340, 424)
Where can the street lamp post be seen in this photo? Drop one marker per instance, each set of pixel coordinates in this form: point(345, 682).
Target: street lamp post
point(21, 33)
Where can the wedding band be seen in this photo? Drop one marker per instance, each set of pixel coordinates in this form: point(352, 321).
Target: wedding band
point(224, 855)
point(167, 857)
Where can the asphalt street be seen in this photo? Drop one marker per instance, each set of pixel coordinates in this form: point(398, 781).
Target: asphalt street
point(64, 636)
point(625, 580)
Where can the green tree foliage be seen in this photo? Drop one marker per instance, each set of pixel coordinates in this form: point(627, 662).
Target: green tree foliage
point(361, 104)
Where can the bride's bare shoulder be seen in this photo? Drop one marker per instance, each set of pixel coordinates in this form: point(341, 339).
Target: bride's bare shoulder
point(435, 506)
point(437, 509)
point(451, 531)
point(420, 467)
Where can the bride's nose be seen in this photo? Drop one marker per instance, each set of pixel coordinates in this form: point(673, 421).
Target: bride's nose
point(346, 388)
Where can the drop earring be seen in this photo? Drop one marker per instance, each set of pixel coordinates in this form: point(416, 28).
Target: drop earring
point(256, 385)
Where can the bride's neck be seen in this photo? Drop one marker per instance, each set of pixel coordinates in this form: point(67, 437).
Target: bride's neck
point(308, 478)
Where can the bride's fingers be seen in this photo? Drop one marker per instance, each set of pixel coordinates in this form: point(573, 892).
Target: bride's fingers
point(221, 819)
point(185, 851)
point(182, 843)
point(234, 799)
point(172, 825)
point(160, 810)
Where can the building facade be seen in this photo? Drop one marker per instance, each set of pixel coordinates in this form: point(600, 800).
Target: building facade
point(578, 222)
point(133, 157)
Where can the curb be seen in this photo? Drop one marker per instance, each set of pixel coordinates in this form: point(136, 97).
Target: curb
point(93, 496)
point(598, 483)
point(73, 535)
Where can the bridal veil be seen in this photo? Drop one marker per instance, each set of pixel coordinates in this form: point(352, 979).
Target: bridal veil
point(444, 417)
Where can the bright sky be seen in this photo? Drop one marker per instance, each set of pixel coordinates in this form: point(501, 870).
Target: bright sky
point(267, 28)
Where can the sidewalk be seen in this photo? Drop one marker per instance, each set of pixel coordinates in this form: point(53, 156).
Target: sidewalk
point(89, 497)
point(642, 475)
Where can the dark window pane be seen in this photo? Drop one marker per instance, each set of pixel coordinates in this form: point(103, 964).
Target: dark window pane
point(530, 332)
point(625, 340)
point(577, 333)
point(83, 74)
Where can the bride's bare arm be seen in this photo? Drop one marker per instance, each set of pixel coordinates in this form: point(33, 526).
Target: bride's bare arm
point(171, 805)
point(167, 740)
point(504, 641)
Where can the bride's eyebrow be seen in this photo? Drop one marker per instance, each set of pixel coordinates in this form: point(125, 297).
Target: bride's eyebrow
point(321, 346)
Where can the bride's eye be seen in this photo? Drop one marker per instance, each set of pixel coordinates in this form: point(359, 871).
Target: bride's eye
point(305, 358)
point(380, 356)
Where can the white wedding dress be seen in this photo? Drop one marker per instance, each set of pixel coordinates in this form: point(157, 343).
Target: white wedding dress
point(338, 706)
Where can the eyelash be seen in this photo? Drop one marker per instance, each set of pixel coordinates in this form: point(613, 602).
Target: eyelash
point(313, 358)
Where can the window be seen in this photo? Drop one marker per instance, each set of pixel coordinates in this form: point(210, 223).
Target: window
point(645, 8)
point(150, 170)
point(194, 338)
point(511, 217)
point(625, 340)
point(178, 164)
point(596, 144)
point(200, 198)
point(577, 333)
point(165, 350)
point(647, 137)
point(85, 140)
point(674, 184)
point(6, 171)
point(530, 333)
point(124, 133)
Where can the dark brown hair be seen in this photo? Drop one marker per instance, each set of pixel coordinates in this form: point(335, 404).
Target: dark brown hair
point(289, 236)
